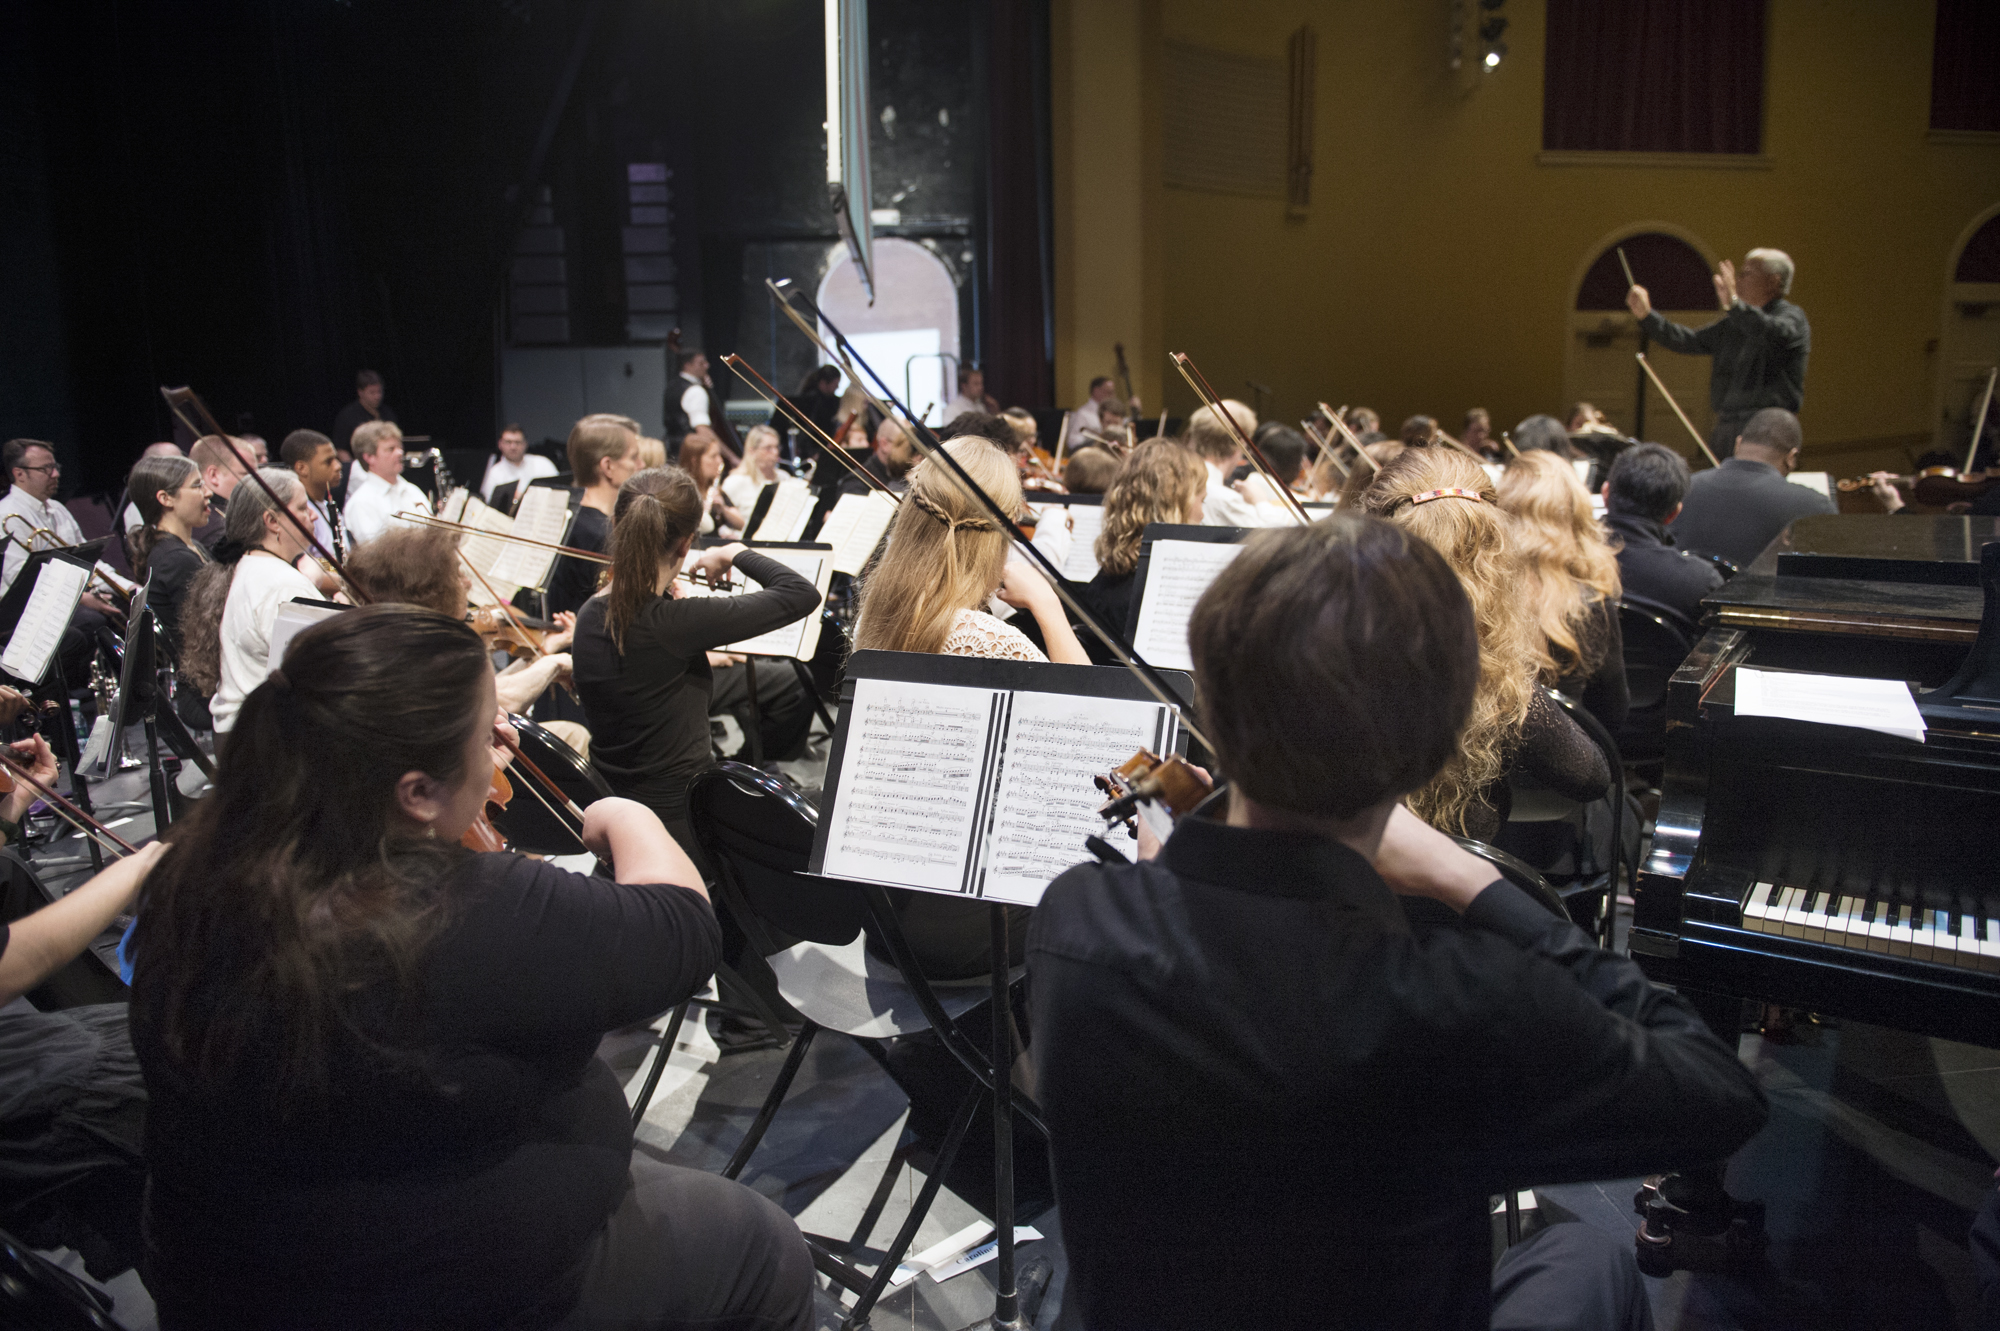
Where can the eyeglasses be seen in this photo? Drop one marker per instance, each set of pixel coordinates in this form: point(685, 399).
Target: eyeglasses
point(51, 467)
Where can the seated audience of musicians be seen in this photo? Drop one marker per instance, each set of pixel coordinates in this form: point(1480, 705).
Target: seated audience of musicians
point(421, 566)
point(513, 463)
point(233, 603)
point(701, 458)
point(1338, 1165)
point(72, 1101)
point(1737, 509)
point(376, 1100)
point(367, 406)
point(165, 555)
point(1478, 433)
point(312, 459)
point(1513, 728)
point(1544, 433)
point(1162, 481)
point(1642, 497)
point(1089, 471)
point(895, 452)
point(1569, 578)
point(603, 455)
point(1284, 451)
point(641, 652)
point(1222, 453)
point(758, 469)
point(381, 494)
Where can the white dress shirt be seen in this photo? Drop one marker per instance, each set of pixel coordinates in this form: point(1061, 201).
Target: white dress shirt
point(21, 514)
point(740, 491)
point(1222, 506)
point(694, 402)
point(499, 471)
point(259, 586)
point(374, 502)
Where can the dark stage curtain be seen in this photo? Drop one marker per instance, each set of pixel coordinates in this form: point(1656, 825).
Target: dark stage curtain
point(1965, 66)
point(1019, 354)
point(1654, 76)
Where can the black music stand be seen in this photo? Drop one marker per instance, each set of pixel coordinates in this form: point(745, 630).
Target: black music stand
point(139, 698)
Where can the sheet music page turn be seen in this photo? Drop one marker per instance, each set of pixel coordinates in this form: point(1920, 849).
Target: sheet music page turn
point(1176, 576)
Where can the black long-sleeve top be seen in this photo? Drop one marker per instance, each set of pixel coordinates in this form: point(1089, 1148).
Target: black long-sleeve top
point(170, 567)
point(1760, 354)
point(648, 706)
point(573, 581)
point(1602, 689)
point(1250, 1063)
point(460, 1189)
point(1553, 750)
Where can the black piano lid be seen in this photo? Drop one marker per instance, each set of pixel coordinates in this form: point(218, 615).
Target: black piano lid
point(1936, 549)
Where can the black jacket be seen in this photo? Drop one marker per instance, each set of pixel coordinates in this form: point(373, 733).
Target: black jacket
point(1737, 509)
point(1252, 1063)
point(1657, 574)
point(1760, 354)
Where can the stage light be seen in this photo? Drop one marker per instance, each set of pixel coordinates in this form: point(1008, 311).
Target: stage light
point(1492, 59)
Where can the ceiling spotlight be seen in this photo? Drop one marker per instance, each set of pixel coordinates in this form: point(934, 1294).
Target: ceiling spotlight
point(1493, 57)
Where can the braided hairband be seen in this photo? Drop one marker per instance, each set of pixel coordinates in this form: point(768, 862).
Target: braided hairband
point(1448, 492)
point(951, 523)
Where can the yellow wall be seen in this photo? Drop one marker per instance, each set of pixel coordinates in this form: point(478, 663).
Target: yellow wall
point(1437, 267)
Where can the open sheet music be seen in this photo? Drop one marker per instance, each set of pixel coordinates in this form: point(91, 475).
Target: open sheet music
point(544, 515)
point(483, 551)
point(1067, 534)
point(1177, 573)
point(798, 639)
point(790, 507)
point(58, 588)
point(973, 790)
point(855, 527)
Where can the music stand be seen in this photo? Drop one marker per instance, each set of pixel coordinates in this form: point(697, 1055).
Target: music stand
point(139, 695)
point(16, 599)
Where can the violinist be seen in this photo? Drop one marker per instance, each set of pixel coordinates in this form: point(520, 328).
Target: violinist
point(1478, 433)
point(895, 453)
point(372, 1052)
point(971, 395)
point(172, 502)
point(233, 603)
point(1027, 434)
point(1395, 1076)
point(1216, 445)
point(1089, 471)
point(642, 649)
point(1284, 450)
point(1162, 481)
point(603, 454)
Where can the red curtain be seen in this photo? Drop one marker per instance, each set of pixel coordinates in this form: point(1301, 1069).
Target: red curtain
point(1965, 66)
point(1654, 76)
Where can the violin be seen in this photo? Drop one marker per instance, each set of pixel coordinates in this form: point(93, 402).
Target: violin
point(517, 637)
point(1938, 487)
point(1157, 789)
point(483, 836)
point(1038, 470)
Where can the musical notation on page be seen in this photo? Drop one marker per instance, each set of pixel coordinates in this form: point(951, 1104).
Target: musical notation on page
point(1067, 534)
point(483, 551)
point(544, 515)
point(855, 527)
point(785, 520)
point(800, 638)
point(58, 588)
point(1177, 575)
point(908, 803)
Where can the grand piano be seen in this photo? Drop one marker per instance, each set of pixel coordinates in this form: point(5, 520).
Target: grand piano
point(1824, 867)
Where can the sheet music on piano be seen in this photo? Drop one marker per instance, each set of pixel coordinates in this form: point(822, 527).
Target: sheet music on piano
point(974, 791)
point(1882, 705)
point(58, 588)
point(790, 509)
point(798, 639)
point(1177, 574)
point(544, 515)
point(855, 527)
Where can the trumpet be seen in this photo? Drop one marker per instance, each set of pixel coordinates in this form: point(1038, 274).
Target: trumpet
point(119, 589)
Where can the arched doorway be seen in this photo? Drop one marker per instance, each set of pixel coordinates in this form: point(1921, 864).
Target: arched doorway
point(910, 334)
point(1969, 335)
point(1602, 337)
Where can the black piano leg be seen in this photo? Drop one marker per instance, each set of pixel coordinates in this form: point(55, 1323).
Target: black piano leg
point(1691, 1221)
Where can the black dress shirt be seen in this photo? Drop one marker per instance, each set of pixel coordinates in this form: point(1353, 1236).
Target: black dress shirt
point(170, 567)
point(573, 581)
point(1657, 574)
point(352, 417)
point(1760, 354)
point(1735, 510)
point(1272, 1104)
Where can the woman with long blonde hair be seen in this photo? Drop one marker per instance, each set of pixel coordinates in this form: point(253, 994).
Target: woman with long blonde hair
point(947, 557)
point(1447, 498)
point(758, 469)
point(1569, 579)
point(1162, 481)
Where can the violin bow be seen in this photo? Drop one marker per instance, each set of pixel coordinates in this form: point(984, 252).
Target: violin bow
point(68, 812)
point(1647, 366)
point(1127, 655)
point(1438, 436)
point(1353, 441)
point(506, 610)
point(1199, 383)
point(769, 392)
point(1979, 426)
point(181, 401)
point(429, 520)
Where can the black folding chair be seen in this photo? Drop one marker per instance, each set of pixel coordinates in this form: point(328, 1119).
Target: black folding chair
point(38, 1295)
point(757, 834)
point(1656, 642)
point(536, 828)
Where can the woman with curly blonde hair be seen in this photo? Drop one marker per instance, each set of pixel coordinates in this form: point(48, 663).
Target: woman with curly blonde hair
point(1446, 498)
point(1160, 481)
point(1569, 578)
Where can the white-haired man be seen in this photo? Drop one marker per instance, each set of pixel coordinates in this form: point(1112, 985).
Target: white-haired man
point(1759, 344)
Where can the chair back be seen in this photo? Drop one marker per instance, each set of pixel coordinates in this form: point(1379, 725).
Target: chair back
point(1655, 646)
point(35, 1293)
point(757, 834)
point(531, 826)
point(1518, 872)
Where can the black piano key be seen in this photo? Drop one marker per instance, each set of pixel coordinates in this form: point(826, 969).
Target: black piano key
point(1868, 909)
point(1979, 927)
point(1811, 904)
point(1895, 914)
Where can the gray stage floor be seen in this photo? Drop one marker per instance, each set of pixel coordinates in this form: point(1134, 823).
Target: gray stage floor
point(1880, 1146)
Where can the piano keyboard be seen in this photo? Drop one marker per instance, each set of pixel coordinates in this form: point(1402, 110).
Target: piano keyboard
point(1870, 924)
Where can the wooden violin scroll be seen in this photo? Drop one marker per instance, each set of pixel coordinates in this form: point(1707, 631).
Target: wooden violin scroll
point(1160, 790)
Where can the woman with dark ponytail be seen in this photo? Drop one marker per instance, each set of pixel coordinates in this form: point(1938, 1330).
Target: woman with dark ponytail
point(172, 502)
point(376, 1099)
point(641, 649)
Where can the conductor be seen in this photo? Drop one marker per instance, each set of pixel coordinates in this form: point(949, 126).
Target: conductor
point(1759, 344)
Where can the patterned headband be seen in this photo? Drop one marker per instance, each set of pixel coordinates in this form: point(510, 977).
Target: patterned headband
point(1449, 492)
point(951, 524)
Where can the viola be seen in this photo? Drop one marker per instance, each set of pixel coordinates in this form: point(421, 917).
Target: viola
point(1157, 789)
point(483, 835)
point(1938, 487)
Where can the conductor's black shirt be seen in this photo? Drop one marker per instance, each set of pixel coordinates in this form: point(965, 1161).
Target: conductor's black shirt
point(1760, 354)
point(1252, 1067)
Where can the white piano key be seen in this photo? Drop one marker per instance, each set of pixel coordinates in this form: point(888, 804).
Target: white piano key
point(1968, 941)
point(1878, 928)
point(1854, 933)
point(1923, 934)
point(1944, 939)
point(1901, 935)
point(1794, 916)
point(1989, 946)
point(1757, 907)
point(1836, 920)
point(1812, 925)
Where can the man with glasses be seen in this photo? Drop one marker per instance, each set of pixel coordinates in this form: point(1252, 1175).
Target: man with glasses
point(32, 519)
